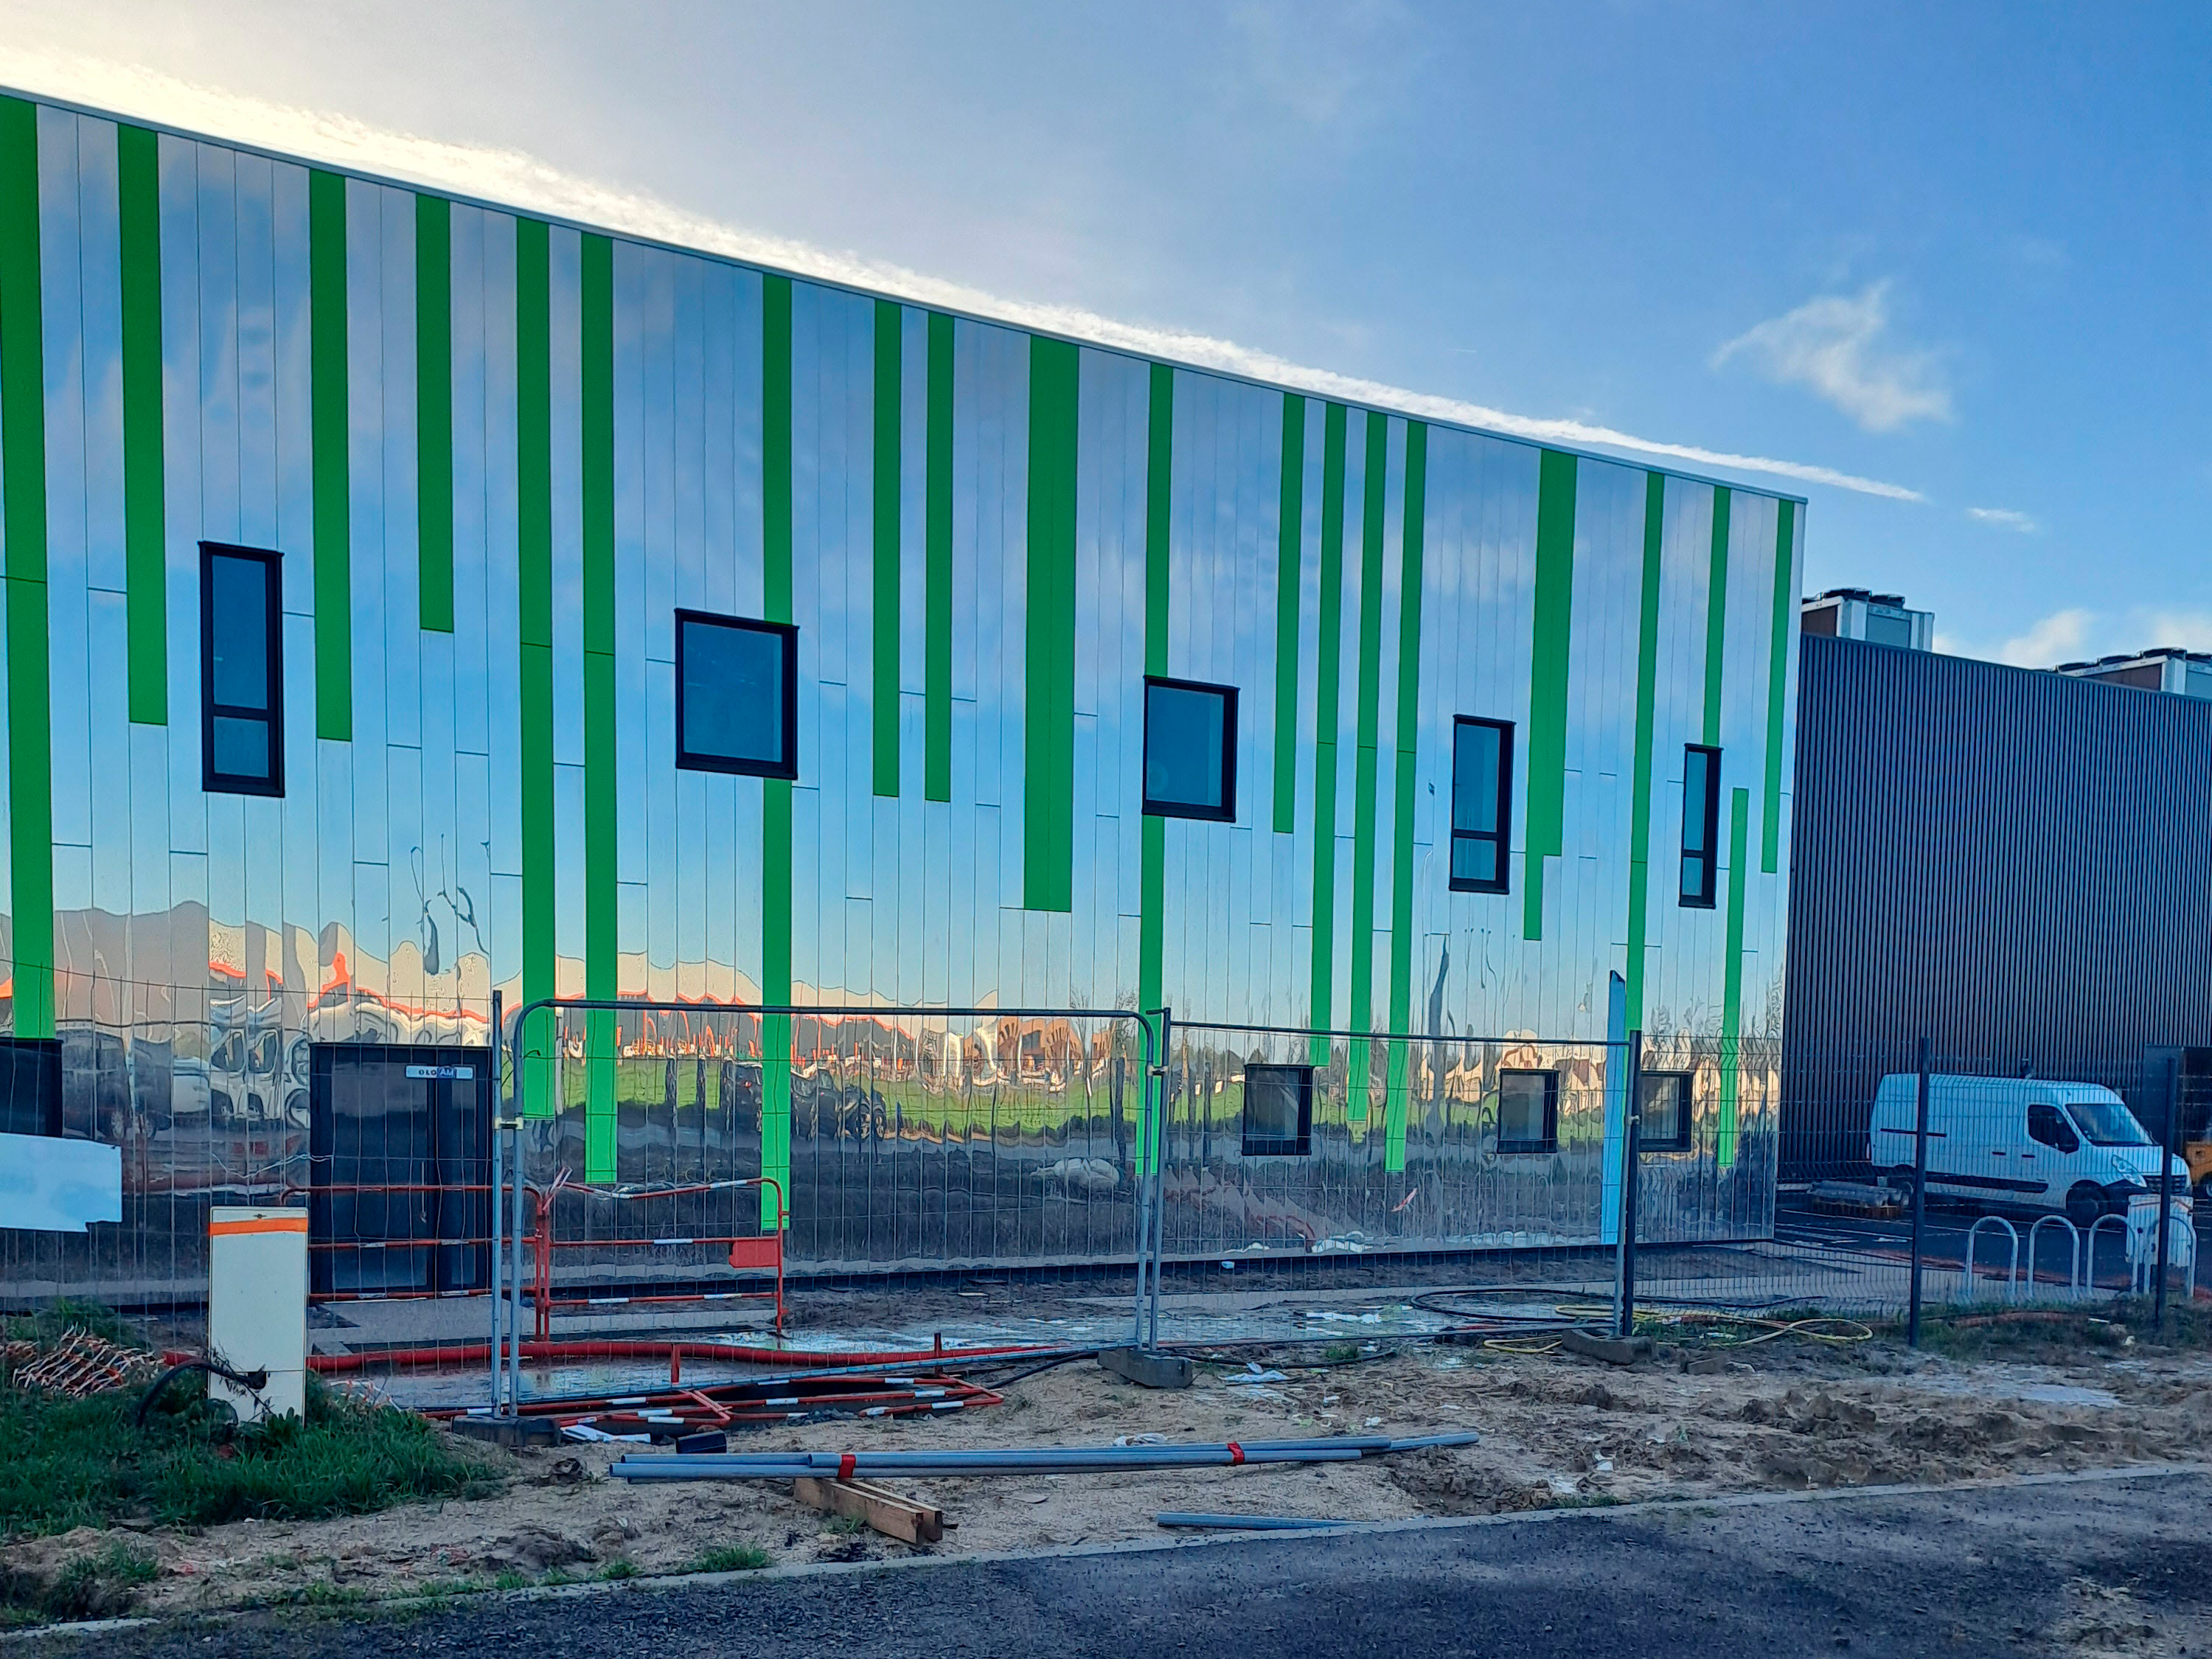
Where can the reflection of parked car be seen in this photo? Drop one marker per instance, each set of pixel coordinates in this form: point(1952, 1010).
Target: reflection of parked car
point(2026, 1142)
point(248, 1066)
point(95, 1079)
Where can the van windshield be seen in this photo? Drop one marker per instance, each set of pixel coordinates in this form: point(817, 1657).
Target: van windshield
point(2108, 1123)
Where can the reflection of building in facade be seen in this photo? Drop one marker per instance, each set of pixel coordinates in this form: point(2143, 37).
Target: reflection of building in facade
point(645, 624)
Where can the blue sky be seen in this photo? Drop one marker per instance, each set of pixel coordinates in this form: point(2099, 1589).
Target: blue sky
point(1960, 251)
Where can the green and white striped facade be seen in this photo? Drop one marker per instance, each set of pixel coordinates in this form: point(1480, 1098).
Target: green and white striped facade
point(497, 453)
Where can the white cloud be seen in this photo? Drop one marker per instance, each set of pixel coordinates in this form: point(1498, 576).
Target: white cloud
point(1834, 346)
point(2004, 517)
point(2062, 636)
point(514, 178)
point(2190, 629)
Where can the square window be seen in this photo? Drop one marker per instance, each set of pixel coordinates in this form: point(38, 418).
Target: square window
point(737, 696)
point(1190, 750)
point(242, 671)
point(30, 1086)
point(1664, 1112)
point(1527, 1112)
point(1701, 810)
point(1278, 1111)
point(1481, 803)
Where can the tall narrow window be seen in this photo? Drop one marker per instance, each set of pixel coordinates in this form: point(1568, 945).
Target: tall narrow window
point(1527, 1112)
point(1482, 804)
point(1278, 1111)
point(737, 696)
point(242, 671)
point(1190, 750)
point(1665, 1123)
point(1701, 810)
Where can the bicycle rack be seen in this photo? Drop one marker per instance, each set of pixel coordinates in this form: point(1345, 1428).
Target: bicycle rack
point(2073, 1267)
point(2119, 1223)
point(2142, 1256)
point(2012, 1274)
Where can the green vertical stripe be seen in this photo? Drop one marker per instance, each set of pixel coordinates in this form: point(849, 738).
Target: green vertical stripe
point(23, 479)
point(146, 605)
point(775, 448)
point(1724, 1145)
point(937, 574)
point(1152, 876)
point(1553, 631)
point(1290, 557)
point(331, 432)
point(775, 792)
point(1716, 617)
point(883, 699)
point(1329, 650)
point(1048, 706)
point(1412, 538)
point(533, 587)
point(1777, 680)
point(433, 411)
point(601, 973)
point(1639, 800)
point(1159, 495)
point(1366, 758)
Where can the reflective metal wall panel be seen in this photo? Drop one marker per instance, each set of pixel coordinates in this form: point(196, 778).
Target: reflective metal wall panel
point(986, 541)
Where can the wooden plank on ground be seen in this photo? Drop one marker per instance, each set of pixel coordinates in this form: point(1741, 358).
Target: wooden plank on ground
point(886, 1512)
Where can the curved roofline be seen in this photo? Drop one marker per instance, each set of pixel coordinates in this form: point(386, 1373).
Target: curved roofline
point(394, 182)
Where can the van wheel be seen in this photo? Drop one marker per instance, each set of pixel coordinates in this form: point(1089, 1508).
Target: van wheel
point(2084, 1205)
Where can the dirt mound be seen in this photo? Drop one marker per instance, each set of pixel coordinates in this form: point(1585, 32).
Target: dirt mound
point(1456, 1482)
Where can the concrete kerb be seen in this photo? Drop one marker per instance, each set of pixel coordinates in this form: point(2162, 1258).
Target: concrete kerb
point(1595, 1513)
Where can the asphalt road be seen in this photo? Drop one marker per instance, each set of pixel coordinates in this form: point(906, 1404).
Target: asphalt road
point(2046, 1567)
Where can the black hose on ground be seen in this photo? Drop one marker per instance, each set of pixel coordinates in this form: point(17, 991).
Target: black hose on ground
point(255, 1381)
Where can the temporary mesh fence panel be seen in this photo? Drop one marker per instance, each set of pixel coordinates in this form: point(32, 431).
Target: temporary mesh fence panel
point(707, 1173)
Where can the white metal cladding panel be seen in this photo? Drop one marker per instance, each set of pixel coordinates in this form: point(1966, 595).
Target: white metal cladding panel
point(392, 865)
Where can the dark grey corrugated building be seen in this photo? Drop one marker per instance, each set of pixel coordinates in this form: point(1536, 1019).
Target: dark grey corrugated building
point(2016, 863)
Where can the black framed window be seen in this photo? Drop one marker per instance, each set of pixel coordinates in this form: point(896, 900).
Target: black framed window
point(1278, 1111)
point(1190, 750)
point(242, 671)
point(1701, 810)
point(30, 1086)
point(1527, 1111)
point(1482, 804)
point(1664, 1112)
point(737, 696)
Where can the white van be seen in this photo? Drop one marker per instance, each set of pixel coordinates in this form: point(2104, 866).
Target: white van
point(2028, 1143)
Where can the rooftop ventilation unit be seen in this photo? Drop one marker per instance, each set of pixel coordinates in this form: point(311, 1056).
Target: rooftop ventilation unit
point(1853, 613)
point(2164, 668)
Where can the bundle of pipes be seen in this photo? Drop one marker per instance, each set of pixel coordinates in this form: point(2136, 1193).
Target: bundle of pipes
point(1036, 1460)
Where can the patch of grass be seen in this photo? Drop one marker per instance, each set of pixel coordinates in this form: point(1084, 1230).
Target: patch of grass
point(97, 1585)
point(614, 1569)
point(844, 1526)
point(2056, 1335)
point(323, 1593)
point(511, 1580)
point(438, 1588)
point(731, 1558)
point(67, 1463)
point(1340, 1353)
point(555, 1576)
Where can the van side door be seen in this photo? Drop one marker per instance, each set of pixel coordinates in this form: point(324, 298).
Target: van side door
point(2051, 1144)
